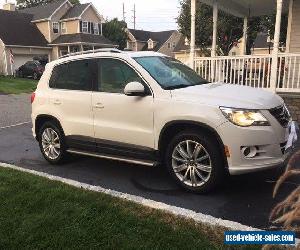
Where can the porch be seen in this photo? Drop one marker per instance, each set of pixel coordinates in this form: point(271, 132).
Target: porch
point(276, 72)
point(72, 43)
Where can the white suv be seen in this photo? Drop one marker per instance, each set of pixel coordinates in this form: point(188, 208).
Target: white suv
point(147, 108)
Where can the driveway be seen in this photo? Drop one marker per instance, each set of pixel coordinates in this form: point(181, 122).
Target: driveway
point(246, 199)
point(14, 109)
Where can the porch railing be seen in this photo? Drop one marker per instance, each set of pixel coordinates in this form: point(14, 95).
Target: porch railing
point(254, 71)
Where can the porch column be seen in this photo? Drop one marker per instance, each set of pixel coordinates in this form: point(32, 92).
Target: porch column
point(288, 35)
point(193, 34)
point(276, 47)
point(215, 29)
point(69, 49)
point(245, 35)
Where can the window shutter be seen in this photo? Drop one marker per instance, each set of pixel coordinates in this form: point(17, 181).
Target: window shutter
point(80, 24)
point(92, 28)
point(99, 25)
point(89, 27)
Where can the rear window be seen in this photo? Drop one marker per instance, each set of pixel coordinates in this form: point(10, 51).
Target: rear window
point(74, 75)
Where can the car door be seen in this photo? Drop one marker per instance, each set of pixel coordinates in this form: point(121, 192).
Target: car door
point(122, 124)
point(70, 101)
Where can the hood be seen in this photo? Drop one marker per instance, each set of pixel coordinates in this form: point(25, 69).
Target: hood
point(228, 95)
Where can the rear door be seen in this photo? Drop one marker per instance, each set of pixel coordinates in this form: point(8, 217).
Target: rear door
point(124, 123)
point(70, 101)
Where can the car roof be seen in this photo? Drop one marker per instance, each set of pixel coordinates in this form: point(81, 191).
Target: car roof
point(113, 53)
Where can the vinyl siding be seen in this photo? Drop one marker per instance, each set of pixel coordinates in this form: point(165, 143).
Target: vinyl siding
point(90, 16)
point(295, 28)
point(73, 27)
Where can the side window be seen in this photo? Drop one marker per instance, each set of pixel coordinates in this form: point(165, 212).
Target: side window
point(75, 75)
point(114, 75)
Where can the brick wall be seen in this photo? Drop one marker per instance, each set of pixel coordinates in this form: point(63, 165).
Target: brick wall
point(293, 103)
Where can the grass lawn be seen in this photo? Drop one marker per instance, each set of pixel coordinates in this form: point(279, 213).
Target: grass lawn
point(36, 213)
point(11, 85)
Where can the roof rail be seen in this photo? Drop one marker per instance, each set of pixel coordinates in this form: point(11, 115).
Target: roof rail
point(112, 50)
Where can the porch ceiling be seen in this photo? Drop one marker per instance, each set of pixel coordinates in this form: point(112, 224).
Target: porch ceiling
point(242, 8)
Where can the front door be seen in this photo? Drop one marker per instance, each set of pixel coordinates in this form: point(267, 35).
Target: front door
point(122, 123)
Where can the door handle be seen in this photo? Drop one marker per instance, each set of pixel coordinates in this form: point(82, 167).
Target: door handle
point(57, 102)
point(99, 106)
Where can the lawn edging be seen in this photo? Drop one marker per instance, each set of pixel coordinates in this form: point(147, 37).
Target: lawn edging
point(178, 211)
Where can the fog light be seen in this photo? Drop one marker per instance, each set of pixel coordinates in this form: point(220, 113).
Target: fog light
point(249, 152)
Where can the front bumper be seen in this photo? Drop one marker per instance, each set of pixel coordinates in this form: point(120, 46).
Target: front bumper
point(269, 141)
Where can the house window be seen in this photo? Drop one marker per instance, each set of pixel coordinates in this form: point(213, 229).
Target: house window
point(96, 29)
point(55, 27)
point(169, 45)
point(63, 27)
point(173, 45)
point(85, 27)
point(150, 44)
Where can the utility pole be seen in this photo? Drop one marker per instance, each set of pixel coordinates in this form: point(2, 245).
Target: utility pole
point(134, 17)
point(124, 13)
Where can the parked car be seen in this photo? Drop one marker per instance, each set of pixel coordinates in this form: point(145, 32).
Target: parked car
point(147, 108)
point(32, 69)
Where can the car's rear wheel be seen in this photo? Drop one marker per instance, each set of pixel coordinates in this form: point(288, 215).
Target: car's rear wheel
point(194, 161)
point(52, 144)
point(35, 76)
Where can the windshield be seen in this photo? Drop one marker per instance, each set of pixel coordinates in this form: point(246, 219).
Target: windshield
point(169, 72)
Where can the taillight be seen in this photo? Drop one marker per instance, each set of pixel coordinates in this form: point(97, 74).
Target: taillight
point(32, 97)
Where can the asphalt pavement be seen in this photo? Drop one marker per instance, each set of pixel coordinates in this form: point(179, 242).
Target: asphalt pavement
point(245, 199)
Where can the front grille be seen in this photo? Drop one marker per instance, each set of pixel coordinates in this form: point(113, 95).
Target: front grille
point(281, 114)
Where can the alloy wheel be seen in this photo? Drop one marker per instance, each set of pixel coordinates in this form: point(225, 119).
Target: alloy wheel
point(191, 163)
point(51, 144)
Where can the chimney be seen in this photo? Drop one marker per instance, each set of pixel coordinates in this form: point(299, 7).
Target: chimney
point(9, 6)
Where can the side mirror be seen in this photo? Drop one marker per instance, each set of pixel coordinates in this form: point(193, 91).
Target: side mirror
point(134, 89)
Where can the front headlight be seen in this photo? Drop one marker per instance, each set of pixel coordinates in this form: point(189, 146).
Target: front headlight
point(245, 118)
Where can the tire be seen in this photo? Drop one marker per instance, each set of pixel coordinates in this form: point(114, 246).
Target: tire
point(52, 143)
point(35, 76)
point(203, 175)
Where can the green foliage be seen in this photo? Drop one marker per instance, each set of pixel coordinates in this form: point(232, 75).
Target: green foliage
point(11, 85)
point(21, 4)
point(230, 28)
point(269, 23)
point(115, 31)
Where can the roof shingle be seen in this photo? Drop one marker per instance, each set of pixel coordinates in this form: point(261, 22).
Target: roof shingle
point(43, 11)
point(82, 38)
point(75, 11)
point(16, 29)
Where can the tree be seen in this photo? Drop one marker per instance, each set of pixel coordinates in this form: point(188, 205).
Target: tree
point(21, 4)
point(115, 30)
point(230, 28)
point(269, 23)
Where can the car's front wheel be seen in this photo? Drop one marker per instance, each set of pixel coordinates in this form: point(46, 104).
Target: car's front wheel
point(195, 162)
point(51, 142)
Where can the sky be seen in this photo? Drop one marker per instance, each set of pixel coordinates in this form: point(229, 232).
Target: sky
point(154, 15)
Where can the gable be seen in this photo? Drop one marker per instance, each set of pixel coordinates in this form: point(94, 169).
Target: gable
point(91, 15)
point(44, 11)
